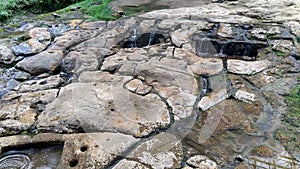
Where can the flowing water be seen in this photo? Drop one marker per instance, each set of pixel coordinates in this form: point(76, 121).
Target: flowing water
point(33, 157)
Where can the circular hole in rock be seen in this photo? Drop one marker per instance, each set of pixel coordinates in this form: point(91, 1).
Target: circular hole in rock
point(83, 148)
point(73, 163)
point(112, 109)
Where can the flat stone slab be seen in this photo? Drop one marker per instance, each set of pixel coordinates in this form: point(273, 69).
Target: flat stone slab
point(44, 62)
point(87, 150)
point(163, 151)
point(104, 107)
point(247, 67)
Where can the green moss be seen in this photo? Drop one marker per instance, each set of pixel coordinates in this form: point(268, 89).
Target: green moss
point(279, 53)
point(293, 100)
point(289, 138)
point(298, 39)
point(288, 134)
point(94, 8)
point(24, 132)
point(10, 8)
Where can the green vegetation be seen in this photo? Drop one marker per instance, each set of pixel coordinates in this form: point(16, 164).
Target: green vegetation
point(289, 134)
point(293, 115)
point(279, 53)
point(9, 8)
point(97, 9)
point(289, 138)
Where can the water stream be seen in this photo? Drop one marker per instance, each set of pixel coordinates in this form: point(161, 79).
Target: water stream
point(32, 157)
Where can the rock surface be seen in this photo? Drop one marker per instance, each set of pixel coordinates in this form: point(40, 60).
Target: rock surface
point(199, 87)
point(199, 161)
point(104, 107)
point(40, 40)
point(162, 151)
point(247, 68)
point(48, 61)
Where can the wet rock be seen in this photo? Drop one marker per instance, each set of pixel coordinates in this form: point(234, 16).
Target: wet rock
point(40, 40)
point(281, 86)
point(16, 74)
point(12, 83)
point(104, 107)
point(33, 46)
point(48, 61)
point(161, 151)
point(247, 67)
point(15, 161)
point(6, 55)
point(38, 85)
point(244, 96)
point(212, 99)
point(58, 29)
point(129, 165)
point(200, 161)
point(101, 149)
point(88, 150)
point(239, 48)
point(143, 40)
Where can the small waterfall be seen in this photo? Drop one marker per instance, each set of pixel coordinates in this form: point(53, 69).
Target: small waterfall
point(142, 40)
point(133, 44)
point(206, 47)
point(221, 53)
point(151, 37)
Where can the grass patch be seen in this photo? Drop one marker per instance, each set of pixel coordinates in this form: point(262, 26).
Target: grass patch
point(288, 134)
point(289, 137)
point(10, 8)
point(96, 9)
point(293, 100)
